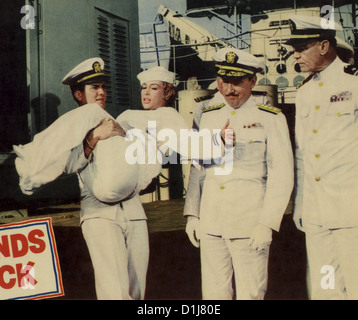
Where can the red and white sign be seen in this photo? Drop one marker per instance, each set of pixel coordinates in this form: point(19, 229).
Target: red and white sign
point(29, 264)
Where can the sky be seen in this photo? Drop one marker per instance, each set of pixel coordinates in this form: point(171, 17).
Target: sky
point(148, 8)
point(147, 16)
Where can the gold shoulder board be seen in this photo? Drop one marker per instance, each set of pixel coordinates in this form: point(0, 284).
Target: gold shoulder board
point(270, 109)
point(212, 108)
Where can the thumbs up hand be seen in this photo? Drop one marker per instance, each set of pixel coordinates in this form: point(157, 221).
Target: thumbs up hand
point(228, 135)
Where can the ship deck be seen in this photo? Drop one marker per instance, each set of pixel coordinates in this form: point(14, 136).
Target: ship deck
point(174, 264)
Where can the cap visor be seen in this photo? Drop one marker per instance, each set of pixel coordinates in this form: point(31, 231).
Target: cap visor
point(225, 77)
point(299, 42)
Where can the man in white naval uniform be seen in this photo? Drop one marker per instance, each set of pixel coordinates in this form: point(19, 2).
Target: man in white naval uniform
point(326, 202)
point(232, 216)
point(116, 234)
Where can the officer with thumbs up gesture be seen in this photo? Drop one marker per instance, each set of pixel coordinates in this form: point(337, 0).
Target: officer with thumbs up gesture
point(231, 217)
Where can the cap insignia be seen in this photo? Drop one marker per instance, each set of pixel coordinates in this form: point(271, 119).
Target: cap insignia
point(97, 67)
point(231, 57)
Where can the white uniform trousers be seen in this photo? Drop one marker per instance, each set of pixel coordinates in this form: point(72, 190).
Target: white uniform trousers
point(221, 259)
point(119, 251)
point(333, 262)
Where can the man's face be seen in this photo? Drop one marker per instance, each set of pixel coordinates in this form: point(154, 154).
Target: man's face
point(93, 93)
point(236, 92)
point(152, 94)
point(308, 56)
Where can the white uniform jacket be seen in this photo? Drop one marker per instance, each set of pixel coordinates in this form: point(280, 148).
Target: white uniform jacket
point(259, 187)
point(327, 149)
point(92, 207)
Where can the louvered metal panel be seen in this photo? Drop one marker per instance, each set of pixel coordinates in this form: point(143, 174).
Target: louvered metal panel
point(121, 57)
point(104, 49)
point(113, 48)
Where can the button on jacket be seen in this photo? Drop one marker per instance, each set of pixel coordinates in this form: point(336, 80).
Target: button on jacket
point(327, 149)
point(259, 187)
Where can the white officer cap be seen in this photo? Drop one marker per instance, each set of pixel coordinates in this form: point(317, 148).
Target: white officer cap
point(307, 28)
point(344, 50)
point(344, 45)
point(156, 74)
point(233, 63)
point(88, 71)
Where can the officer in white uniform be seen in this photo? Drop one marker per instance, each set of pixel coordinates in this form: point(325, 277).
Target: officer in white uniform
point(326, 202)
point(232, 216)
point(116, 234)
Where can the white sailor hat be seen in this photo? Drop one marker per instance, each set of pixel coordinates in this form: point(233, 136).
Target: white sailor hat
point(308, 28)
point(88, 71)
point(234, 63)
point(156, 74)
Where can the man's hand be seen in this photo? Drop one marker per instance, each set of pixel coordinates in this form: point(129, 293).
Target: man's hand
point(261, 237)
point(193, 230)
point(228, 135)
point(105, 129)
